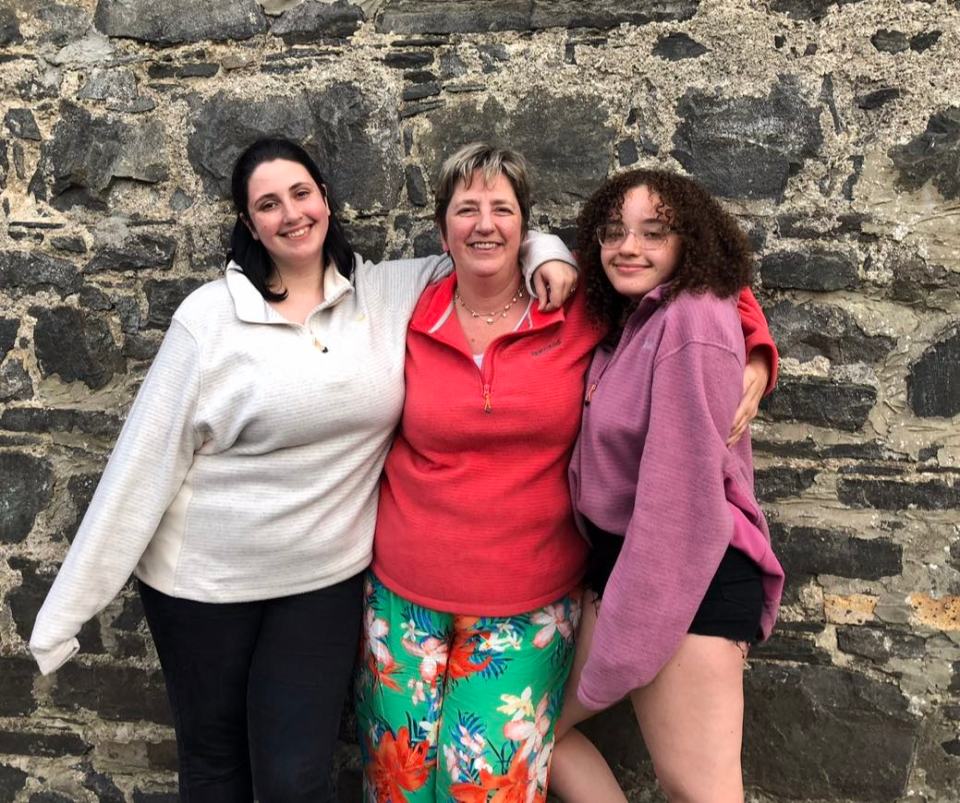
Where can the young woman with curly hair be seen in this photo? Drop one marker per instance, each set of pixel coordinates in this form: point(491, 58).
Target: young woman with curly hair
point(681, 552)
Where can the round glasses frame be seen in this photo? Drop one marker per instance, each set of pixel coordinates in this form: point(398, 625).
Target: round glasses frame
point(610, 235)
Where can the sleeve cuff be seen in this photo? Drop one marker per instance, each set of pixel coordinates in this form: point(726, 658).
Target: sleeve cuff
point(50, 660)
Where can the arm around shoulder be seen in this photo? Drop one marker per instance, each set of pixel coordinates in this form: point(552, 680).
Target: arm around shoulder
point(757, 337)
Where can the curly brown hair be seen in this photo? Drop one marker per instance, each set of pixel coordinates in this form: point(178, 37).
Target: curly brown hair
point(715, 254)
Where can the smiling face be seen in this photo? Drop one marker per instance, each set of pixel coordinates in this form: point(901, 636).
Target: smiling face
point(288, 213)
point(633, 267)
point(484, 227)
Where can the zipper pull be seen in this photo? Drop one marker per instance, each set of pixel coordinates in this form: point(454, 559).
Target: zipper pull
point(589, 396)
point(487, 406)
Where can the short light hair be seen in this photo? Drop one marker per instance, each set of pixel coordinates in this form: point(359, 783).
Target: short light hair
point(490, 162)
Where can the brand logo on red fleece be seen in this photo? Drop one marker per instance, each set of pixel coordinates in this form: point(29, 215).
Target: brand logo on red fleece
point(553, 344)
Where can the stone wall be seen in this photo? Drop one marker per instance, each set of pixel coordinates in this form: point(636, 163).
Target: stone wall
point(833, 131)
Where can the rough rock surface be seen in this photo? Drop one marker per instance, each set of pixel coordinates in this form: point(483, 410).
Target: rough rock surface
point(829, 128)
point(176, 21)
point(746, 146)
point(353, 134)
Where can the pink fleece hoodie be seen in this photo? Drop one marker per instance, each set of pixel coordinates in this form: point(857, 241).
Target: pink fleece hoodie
point(651, 462)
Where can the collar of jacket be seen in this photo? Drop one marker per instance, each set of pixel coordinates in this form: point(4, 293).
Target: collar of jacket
point(251, 307)
point(439, 306)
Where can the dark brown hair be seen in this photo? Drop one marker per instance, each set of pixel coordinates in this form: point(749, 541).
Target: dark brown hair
point(715, 254)
point(249, 253)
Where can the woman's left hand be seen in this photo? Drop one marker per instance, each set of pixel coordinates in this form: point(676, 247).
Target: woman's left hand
point(755, 378)
point(555, 282)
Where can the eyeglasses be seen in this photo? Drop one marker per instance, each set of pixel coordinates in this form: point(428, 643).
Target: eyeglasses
point(649, 238)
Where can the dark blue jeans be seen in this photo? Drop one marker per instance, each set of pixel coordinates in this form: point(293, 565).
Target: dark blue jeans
point(257, 690)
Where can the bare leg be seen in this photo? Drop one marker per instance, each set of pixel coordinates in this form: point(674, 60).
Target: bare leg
point(691, 717)
point(579, 773)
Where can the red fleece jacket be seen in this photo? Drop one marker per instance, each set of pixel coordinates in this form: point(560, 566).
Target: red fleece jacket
point(475, 512)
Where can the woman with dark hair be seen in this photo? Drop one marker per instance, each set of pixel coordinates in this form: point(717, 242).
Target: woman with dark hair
point(681, 553)
point(242, 490)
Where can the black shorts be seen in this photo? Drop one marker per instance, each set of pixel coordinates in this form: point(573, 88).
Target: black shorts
point(731, 607)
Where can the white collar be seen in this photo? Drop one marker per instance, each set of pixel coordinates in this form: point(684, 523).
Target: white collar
point(251, 307)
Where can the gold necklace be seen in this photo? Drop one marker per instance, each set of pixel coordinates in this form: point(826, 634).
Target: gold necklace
point(491, 317)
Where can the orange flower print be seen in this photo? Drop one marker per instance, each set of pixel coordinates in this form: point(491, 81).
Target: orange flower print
point(512, 787)
point(396, 766)
point(460, 662)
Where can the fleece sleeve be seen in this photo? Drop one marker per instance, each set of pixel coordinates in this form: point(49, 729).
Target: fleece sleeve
point(679, 528)
point(756, 335)
point(146, 469)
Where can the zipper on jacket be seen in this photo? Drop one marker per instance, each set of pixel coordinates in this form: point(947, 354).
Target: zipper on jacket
point(588, 397)
point(487, 406)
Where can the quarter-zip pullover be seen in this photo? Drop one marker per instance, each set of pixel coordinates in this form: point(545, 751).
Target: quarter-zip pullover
point(475, 512)
point(652, 463)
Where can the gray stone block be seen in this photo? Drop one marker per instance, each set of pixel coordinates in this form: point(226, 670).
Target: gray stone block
point(44, 420)
point(9, 27)
point(933, 384)
point(21, 123)
point(609, 13)
point(8, 335)
point(138, 250)
point(857, 732)
point(16, 686)
point(924, 41)
point(312, 21)
point(12, 780)
point(75, 347)
point(806, 330)
point(102, 786)
point(351, 133)
point(888, 41)
point(933, 155)
point(113, 692)
point(61, 23)
point(823, 402)
point(567, 162)
point(15, 382)
point(677, 46)
point(879, 643)
point(453, 16)
point(172, 22)
point(877, 98)
point(746, 147)
point(783, 482)
point(812, 269)
point(942, 493)
point(48, 745)
point(416, 186)
point(163, 298)
point(26, 484)
point(814, 551)
point(32, 271)
point(86, 153)
point(794, 642)
point(808, 9)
